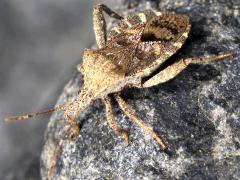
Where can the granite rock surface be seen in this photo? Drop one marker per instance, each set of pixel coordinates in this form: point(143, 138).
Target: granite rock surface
point(197, 113)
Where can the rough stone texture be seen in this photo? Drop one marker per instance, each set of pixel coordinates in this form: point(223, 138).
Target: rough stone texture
point(197, 113)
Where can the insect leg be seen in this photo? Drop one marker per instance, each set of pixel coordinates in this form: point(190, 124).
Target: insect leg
point(99, 23)
point(53, 159)
point(75, 129)
point(127, 110)
point(31, 115)
point(112, 122)
point(71, 132)
point(173, 70)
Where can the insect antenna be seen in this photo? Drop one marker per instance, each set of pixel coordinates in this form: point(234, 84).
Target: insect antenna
point(31, 115)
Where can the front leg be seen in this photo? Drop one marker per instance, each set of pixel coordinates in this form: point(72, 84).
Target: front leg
point(99, 23)
point(173, 70)
point(71, 132)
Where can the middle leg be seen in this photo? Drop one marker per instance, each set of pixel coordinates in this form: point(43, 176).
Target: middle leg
point(111, 121)
point(126, 109)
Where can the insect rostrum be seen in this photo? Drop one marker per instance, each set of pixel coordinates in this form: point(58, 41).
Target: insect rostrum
point(133, 50)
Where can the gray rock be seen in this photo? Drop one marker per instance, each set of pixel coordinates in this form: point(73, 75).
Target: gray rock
point(197, 113)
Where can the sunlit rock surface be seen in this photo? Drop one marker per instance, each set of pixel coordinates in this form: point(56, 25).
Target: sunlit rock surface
point(197, 113)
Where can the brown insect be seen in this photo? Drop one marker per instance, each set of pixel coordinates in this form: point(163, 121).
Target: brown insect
point(129, 56)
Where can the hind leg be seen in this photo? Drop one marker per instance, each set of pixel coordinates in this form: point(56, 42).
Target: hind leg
point(173, 70)
point(99, 26)
point(99, 23)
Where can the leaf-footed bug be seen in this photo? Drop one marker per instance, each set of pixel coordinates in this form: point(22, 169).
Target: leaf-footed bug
point(129, 56)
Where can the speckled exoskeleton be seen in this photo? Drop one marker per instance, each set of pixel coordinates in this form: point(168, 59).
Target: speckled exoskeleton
point(129, 56)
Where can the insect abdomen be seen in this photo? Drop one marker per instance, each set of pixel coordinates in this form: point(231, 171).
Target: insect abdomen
point(166, 27)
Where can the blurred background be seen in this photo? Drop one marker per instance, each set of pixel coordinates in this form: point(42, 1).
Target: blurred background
point(40, 44)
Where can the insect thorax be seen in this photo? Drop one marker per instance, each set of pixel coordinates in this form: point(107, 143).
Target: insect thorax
point(135, 47)
point(99, 72)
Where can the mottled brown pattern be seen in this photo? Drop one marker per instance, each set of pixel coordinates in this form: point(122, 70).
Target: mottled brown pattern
point(135, 48)
point(166, 27)
point(148, 44)
point(104, 71)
